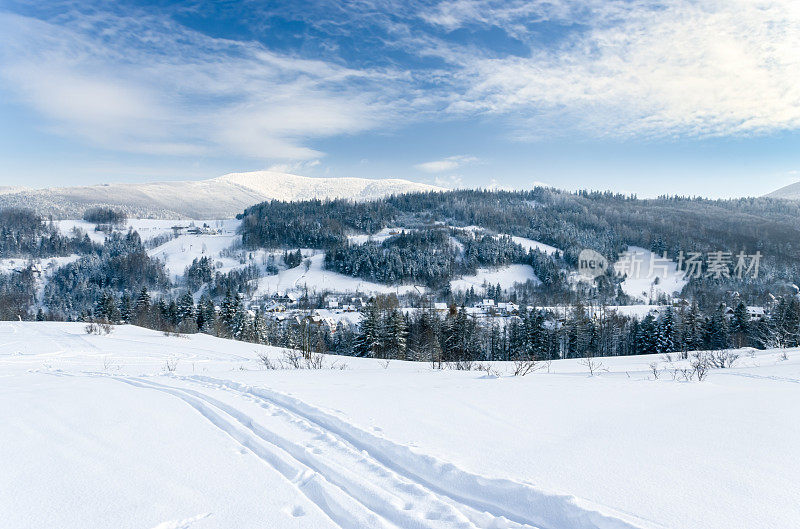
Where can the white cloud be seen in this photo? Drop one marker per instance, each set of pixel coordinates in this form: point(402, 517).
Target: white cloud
point(446, 164)
point(301, 167)
point(453, 181)
point(147, 85)
point(634, 68)
point(719, 67)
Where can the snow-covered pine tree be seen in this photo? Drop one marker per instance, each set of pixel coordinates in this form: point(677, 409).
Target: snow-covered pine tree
point(185, 307)
point(666, 331)
point(692, 337)
point(260, 334)
point(367, 342)
point(206, 315)
point(647, 338)
point(242, 325)
point(126, 308)
point(740, 326)
point(143, 301)
point(395, 334)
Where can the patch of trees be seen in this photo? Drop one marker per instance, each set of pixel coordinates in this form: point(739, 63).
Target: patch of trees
point(310, 224)
point(25, 234)
point(454, 337)
point(121, 264)
point(578, 332)
point(231, 319)
point(17, 295)
point(425, 256)
point(104, 215)
point(201, 273)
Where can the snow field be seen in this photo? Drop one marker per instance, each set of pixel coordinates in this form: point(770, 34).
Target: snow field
point(221, 442)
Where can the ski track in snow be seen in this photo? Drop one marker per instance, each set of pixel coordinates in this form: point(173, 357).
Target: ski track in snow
point(182, 524)
point(359, 480)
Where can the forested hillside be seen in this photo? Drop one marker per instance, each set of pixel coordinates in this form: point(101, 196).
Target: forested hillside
point(604, 222)
point(430, 241)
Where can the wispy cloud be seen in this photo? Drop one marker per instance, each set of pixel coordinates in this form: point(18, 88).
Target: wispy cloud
point(450, 163)
point(146, 84)
point(452, 181)
point(142, 82)
point(683, 68)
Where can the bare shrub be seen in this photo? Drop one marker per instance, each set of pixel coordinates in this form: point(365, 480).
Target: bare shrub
point(291, 359)
point(487, 368)
point(107, 363)
point(171, 365)
point(267, 362)
point(460, 365)
point(384, 364)
point(721, 359)
point(592, 364)
point(465, 365)
point(654, 370)
point(526, 367)
point(315, 361)
point(341, 366)
point(700, 366)
point(683, 373)
point(99, 328)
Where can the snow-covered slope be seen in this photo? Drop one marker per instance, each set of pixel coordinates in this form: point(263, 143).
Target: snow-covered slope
point(282, 186)
point(648, 276)
point(505, 276)
point(221, 197)
point(317, 279)
point(5, 190)
point(95, 432)
point(790, 192)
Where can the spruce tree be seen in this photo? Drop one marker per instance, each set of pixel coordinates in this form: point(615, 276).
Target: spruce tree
point(185, 307)
point(367, 343)
point(740, 326)
point(692, 339)
point(666, 332)
point(126, 309)
point(647, 338)
point(395, 334)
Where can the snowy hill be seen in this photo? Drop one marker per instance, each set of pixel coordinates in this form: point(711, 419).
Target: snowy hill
point(288, 187)
point(221, 197)
point(100, 431)
point(790, 192)
point(7, 190)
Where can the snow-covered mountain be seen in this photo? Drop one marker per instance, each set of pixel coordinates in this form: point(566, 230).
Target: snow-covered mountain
point(790, 192)
point(221, 197)
point(5, 190)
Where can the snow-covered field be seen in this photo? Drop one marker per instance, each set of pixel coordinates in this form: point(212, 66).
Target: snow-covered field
point(148, 228)
point(648, 275)
point(317, 278)
point(505, 276)
point(96, 432)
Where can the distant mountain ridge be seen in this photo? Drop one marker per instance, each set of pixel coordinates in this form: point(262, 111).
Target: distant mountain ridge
point(221, 197)
point(790, 192)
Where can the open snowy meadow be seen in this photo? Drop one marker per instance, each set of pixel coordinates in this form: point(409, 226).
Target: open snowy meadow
point(138, 429)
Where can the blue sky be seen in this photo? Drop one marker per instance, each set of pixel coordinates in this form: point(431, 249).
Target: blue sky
point(638, 96)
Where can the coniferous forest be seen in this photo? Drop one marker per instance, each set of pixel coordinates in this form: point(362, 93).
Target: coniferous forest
point(432, 241)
